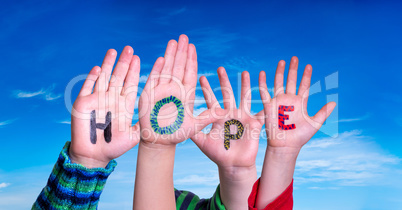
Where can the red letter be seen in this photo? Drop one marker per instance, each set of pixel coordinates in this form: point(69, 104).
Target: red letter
point(282, 117)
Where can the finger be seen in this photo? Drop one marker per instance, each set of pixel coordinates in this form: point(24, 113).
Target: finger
point(305, 84)
point(107, 67)
point(181, 58)
point(131, 82)
point(278, 83)
point(122, 66)
point(324, 113)
point(133, 74)
point(292, 76)
point(135, 135)
point(170, 54)
point(229, 101)
point(260, 116)
point(209, 95)
point(199, 139)
point(89, 83)
point(190, 75)
point(128, 143)
point(245, 92)
point(153, 78)
point(206, 118)
point(265, 97)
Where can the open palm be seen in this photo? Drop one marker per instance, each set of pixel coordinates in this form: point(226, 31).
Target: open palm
point(173, 77)
point(304, 126)
point(241, 152)
point(116, 97)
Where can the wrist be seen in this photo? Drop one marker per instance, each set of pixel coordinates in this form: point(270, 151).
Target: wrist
point(235, 185)
point(282, 154)
point(156, 152)
point(237, 173)
point(277, 173)
point(87, 161)
point(155, 146)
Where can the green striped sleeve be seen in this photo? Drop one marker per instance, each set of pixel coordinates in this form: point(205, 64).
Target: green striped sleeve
point(186, 200)
point(72, 186)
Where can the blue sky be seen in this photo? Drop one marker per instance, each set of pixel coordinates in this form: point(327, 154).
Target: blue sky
point(355, 44)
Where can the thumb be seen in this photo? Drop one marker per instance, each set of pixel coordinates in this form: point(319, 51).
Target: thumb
point(207, 117)
point(199, 139)
point(135, 134)
point(324, 113)
point(260, 116)
point(125, 144)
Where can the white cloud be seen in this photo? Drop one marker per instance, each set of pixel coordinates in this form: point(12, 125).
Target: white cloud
point(199, 101)
point(270, 90)
point(3, 185)
point(47, 94)
point(239, 64)
point(351, 159)
point(355, 160)
point(26, 186)
point(143, 78)
point(354, 119)
point(207, 128)
point(198, 111)
point(22, 94)
point(326, 142)
point(65, 122)
point(137, 99)
point(7, 122)
point(51, 97)
point(206, 74)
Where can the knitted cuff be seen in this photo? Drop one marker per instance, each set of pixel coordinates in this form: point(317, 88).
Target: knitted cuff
point(73, 186)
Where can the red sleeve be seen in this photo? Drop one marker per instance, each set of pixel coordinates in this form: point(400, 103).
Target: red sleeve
point(282, 202)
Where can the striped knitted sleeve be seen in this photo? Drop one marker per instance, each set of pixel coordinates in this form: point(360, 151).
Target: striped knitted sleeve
point(73, 186)
point(186, 200)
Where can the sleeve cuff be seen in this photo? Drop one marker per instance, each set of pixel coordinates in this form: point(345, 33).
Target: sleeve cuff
point(72, 185)
point(188, 200)
point(282, 202)
point(216, 201)
point(64, 158)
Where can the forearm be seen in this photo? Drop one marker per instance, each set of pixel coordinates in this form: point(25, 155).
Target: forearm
point(154, 177)
point(235, 185)
point(277, 174)
point(72, 186)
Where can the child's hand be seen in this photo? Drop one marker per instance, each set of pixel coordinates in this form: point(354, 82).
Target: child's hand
point(288, 128)
point(166, 118)
point(102, 116)
point(232, 147)
point(167, 102)
point(239, 152)
point(295, 128)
